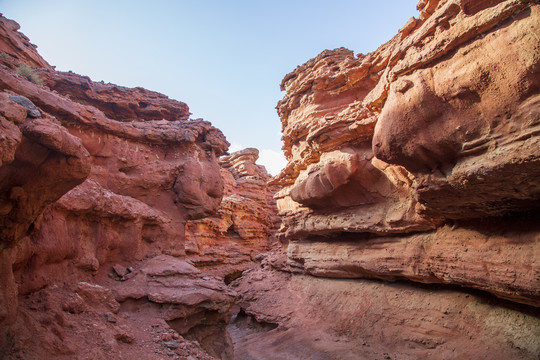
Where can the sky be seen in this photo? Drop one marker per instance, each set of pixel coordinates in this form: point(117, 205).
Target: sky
point(225, 59)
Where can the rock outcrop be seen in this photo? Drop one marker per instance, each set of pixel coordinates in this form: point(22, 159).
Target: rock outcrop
point(301, 317)
point(123, 221)
point(497, 256)
point(421, 160)
point(415, 164)
point(97, 182)
point(140, 318)
point(195, 305)
point(16, 45)
point(118, 102)
point(245, 224)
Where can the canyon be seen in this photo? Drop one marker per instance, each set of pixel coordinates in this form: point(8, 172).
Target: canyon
point(404, 226)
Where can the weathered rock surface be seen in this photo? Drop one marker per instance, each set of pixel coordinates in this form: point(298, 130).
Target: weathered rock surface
point(245, 224)
point(94, 176)
point(304, 317)
point(16, 45)
point(500, 256)
point(41, 161)
point(84, 321)
point(473, 145)
point(394, 157)
point(418, 162)
point(116, 102)
point(195, 305)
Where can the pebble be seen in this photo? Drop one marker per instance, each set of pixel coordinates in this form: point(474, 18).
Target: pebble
point(171, 344)
point(110, 318)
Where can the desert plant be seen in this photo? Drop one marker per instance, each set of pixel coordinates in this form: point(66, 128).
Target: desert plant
point(29, 73)
point(4, 55)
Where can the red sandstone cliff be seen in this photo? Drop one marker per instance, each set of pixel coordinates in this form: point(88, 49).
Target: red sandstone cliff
point(97, 182)
point(417, 139)
point(417, 162)
point(245, 224)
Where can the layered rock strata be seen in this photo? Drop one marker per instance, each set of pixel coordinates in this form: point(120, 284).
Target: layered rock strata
point(228, 242)
point(415, 164)
point(500, 257)
point(420, 161)
point(94, 179)
point(287, 316)
point(195, 305)
point(160, 308)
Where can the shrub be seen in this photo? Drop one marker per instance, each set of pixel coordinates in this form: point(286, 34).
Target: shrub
point(29, 73)
point(4, 55)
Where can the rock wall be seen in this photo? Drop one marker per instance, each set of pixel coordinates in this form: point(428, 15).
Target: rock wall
point(97, 182)
point(421, 160)
point(415, 164)
point(297, 316)
point(245, 224)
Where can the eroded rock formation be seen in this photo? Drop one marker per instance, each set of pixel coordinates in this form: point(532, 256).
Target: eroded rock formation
point(418, 162)
point(435, 128)
point(97, 182)
point(290, 316)
point(245, 224)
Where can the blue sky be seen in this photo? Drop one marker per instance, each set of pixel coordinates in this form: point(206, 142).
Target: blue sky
point(225, 59)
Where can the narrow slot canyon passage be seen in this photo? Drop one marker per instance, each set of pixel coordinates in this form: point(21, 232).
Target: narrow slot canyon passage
point(403, 224)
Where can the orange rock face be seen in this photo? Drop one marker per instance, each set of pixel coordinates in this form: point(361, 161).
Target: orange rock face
point(435, 129)
point(95, 178)
point(294, 316)
point(245, 224)
point(148, 170)
point(117, 102)
point(18, 46)
point(416, 162)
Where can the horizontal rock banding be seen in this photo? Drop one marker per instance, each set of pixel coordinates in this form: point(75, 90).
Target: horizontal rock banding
point(443, 124)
